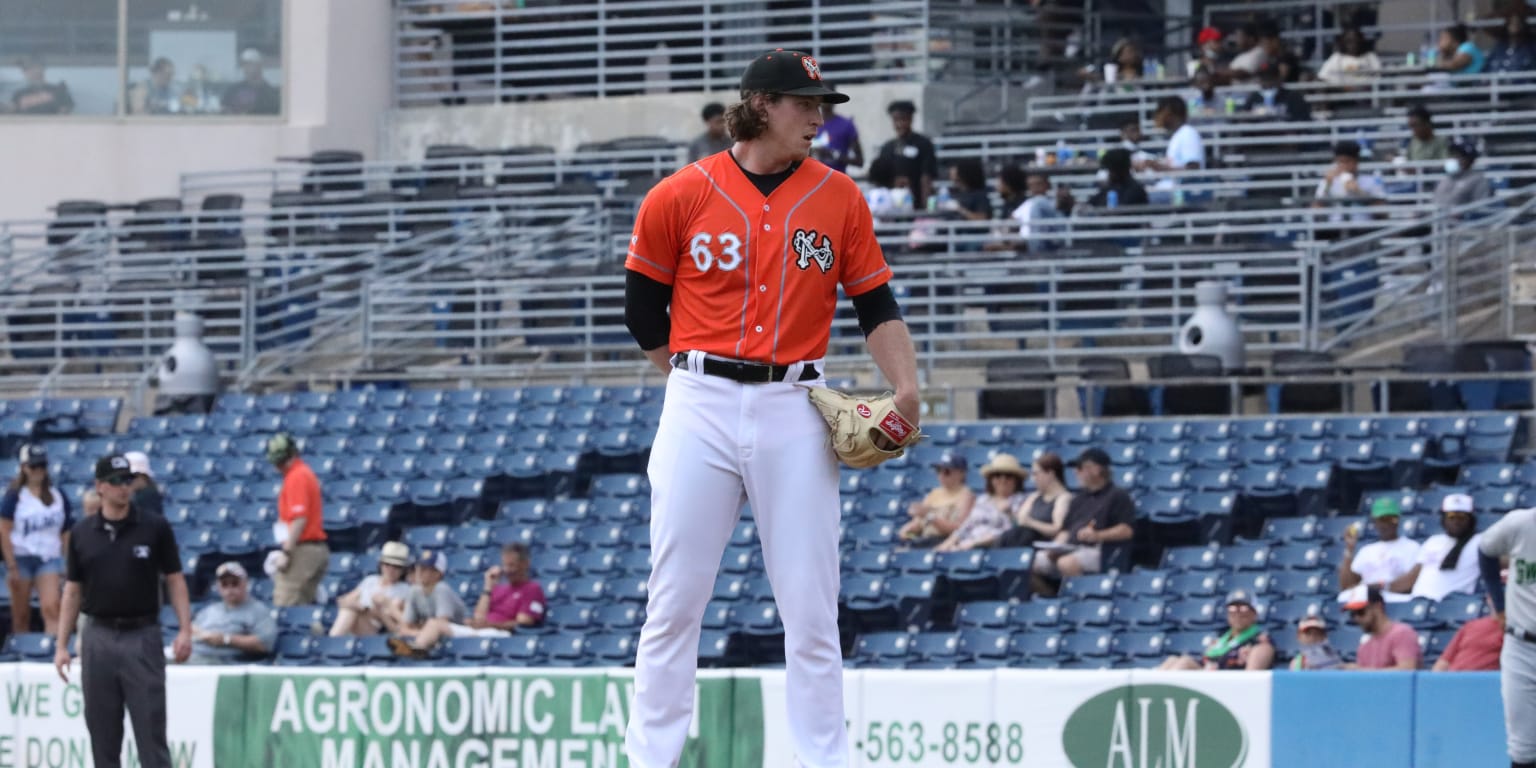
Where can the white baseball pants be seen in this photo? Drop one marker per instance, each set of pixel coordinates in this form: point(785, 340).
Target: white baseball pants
point(1517, 678)
point(721, 443)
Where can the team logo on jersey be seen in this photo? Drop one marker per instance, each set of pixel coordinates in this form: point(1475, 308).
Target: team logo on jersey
point(141, 551)
point(809, 249)
point(811, 67)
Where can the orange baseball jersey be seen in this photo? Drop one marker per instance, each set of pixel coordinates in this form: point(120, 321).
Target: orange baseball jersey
point(756, 278)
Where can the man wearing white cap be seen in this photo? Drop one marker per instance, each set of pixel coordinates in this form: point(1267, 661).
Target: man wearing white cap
point(238, 628)
point(1448, 561)
point(252, 95)
point(377, 603)
point(146, 494)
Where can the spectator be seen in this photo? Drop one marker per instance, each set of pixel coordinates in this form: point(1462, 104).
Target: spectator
point(376, 604)
point(1186, 150)
point(1350, 62)
point(157, 95)
point(1244, 646)
point(837, 140)
point(1201, 96)
point(1130, 140)
point(1250, 54)
point(146, 493)
point(304, 555)
point(34, 533)
point(1447, 561)
point(1475, 647)
point(1119, 187)
point(1208, 53)
point(252, 95)
point(510, 600)
point(1515, 51)
point(1273, 98)
point(714, 139)
point(1458, 54)
point(1041, 514)
point(1038, 217)
point(993, 513)
point(1125, 61)
point(886, 194)
point(1277, 55)
point(1380, 564)
point(911, 154)
point(432, 610)
point(1100, 513)
point(944, 508)
point(1463, 183)
point(1388, 644)
point(37, 96)
point(90, 503)
point(968, 190)
point(1342, 183)
point(238, 628)
point(1315, 652)
point(1424, 144)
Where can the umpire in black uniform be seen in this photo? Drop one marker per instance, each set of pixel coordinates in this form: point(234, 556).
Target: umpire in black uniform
point(115, 562)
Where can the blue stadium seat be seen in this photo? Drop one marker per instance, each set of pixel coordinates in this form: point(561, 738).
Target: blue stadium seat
point(1456, 609)
point(294, 649)
point(613, 648)
point(636, 561)
point(717, 614)
point(739, 560)
point(1010, 568)
point(1195, 613)
point(1195, 584)
point(595, 562)
point(236, 543)
point(1163, 478)
point(1496, 474)
point(1254, 582)
point(519, 649)
point(1244, 556)
point(1141, 582)
point(299, 618)
point(619, 617)
point(1178, 559)
point(874, 533)
point(426, 537)
point(1495, 500)
point(1088, 644)
point(599, 535)
point(1292, 529)
point(468, 564)
point(1163, 431)
point(1087, 613)
point(1038, 613)
point(1033, 646)
point(912, 597)
point(934, 646)
point(562, 647)
point(1139, 610)
point(869, 561)
point(1211, 454)
point(1296, 556)
point(729, 587)
point(1088, 586)
point(1252, 454)
point(914, 561)
point(1120, 432)
point(757, 617)
point(1147, 646)
point(1415, 613)
point(34, 647)
point(984, 614)
point(337, 651)
point(1209, 430)
point(888, 649)
point(1297, 583)
point(1188, 643)
point(1210, 478)
point(715, 649)
point(985, 644)
point(570, 617)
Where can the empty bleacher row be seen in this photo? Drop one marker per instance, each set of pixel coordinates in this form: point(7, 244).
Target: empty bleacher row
point(1256, 502)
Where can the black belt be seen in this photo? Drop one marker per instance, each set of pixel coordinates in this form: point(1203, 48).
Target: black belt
point(1520, 634)
point(744, 371)
point(125, 622)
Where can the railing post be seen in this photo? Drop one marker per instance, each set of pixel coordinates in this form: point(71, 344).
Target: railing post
point(602, 48)
point(927, 36)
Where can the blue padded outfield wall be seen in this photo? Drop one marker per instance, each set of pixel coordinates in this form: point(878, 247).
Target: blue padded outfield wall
point(458, 717)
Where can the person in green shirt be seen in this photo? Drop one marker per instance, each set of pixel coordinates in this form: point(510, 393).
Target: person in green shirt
point(1424, 145)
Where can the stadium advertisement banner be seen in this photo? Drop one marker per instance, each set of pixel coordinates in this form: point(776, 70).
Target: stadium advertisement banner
point(1071, 719)
point(464, 719)
point(42, 719)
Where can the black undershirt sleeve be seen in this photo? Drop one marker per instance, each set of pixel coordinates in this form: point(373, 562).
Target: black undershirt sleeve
point(645, 310)
point(875, 307)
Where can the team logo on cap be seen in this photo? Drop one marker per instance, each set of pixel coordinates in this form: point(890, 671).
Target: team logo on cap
point(811, 67)
point(119, 462)
point(808, 249)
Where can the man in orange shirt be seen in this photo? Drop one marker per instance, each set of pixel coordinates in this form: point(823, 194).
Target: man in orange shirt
point(298, 568)
point(732, 279)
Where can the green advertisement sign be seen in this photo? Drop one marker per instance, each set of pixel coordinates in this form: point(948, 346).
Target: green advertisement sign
point(1154, 726)
point(492, 720)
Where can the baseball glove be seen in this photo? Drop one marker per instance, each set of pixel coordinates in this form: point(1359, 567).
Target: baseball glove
point(865, 431)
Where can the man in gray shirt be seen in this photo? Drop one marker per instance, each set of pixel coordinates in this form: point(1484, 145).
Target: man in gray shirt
point(1462, 183)
point(714, 139)
point(238, 628)
point(431, 611)
point(1514, 537)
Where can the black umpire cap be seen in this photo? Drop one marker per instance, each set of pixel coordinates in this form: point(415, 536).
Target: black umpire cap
point(788, 72)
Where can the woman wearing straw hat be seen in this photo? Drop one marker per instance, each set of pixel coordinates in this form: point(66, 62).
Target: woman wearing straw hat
point(993, 513)
point(375, 606)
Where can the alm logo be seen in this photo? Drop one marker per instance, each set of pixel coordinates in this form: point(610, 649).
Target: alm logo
point(1154, 726)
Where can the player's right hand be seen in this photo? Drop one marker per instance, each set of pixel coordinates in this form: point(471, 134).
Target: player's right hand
point(61, 659)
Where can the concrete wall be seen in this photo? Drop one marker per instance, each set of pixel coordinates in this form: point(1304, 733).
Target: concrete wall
point(566, 124)
point(338, 86)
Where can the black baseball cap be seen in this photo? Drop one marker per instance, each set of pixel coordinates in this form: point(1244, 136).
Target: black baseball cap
point(950, 461)
point(113, 466)
point(1464, 148)
point(788, 72)
point(34, 455)
point(1094, 455)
